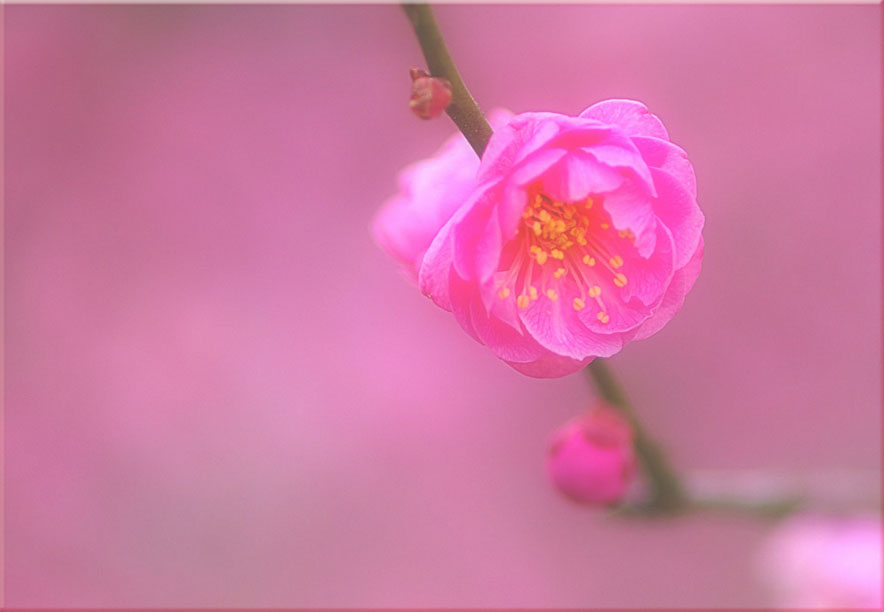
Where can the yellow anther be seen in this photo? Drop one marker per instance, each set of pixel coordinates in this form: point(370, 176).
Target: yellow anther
point(504, 293)
point(594, 291)
point(606, 225)
point(552, 294)
point(541, 257)
point(589, 261)
point(620, 279)
point(588, 203)
point(581, 240)
point(603, 317)
point(560, 226)
point(557, 254)
point(536, 228)
point(544, 215)
point(532, 291)
point(616, 261)
point(522, 301)
point(579, 304)
point(559, 273)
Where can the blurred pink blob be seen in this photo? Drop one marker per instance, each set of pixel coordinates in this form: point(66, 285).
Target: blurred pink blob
point(582, 233)
point(591, 459)
point(822, 562)
point(430, 96)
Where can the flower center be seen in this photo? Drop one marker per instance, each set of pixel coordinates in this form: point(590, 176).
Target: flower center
point(564, 242)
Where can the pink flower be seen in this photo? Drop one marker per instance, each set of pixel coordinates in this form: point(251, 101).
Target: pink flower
point(819, 562)
point(575, 236)
point(591, 459)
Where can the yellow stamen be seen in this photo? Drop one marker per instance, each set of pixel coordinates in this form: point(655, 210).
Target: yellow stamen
point(504, 293)
point(560, 273)
point(551, 294)
point(522, 301)
point(603, 317)
point(620, 279)
point(557, 254)
point(541, 257)
point(616, 261)
point(589, 261)
point(579, 304)
point(532, 291)
point(594, 291)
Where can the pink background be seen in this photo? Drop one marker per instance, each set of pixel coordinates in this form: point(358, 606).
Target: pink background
point(219, 392)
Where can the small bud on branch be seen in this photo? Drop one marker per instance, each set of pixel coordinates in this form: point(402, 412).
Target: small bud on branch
point(430, 96)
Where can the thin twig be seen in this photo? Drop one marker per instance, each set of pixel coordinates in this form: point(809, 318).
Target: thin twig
point(666, 493)
point(463, 110)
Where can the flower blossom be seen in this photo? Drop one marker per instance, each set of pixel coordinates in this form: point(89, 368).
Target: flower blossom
point(573, 236)
point(590, 458)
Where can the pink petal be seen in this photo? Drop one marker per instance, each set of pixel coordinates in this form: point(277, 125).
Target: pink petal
point(476, 236)
point(550, 366)
point(649, 277)
point(556, 326)
point(577, 175)
point(504, 341)
point(461, 293)
point(678, 210)
point(668, 158)
point(682, 282)
point(628, 159)
point(577, 133)
point(631, 116)
point(624, 316)
point(630, 208)
point(535, 165)
point(610, 146)
point(435, 270)
point(512, 143)
point(513, 199)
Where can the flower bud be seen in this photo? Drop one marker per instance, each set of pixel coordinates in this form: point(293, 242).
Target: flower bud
point(430, 96)
point(591, 459)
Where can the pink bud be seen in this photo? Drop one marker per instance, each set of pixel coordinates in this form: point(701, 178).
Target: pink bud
point(591, 459)
point(430, 96)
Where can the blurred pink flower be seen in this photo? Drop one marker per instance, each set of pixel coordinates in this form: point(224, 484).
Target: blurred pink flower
point(591, 458)
point(430, 191)
point(574, 236)
point(820, 562)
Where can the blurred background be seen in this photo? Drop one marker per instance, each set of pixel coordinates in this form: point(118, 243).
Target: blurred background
point(220, 392)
